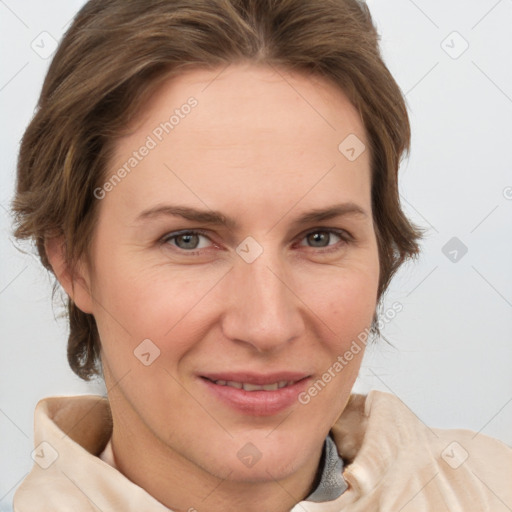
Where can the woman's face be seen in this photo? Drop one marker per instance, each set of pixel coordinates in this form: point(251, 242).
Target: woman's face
point(236, 250)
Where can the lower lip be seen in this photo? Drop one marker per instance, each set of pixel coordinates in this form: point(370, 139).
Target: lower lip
point(257, 403)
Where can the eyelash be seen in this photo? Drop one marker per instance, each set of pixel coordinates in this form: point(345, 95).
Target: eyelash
point(344, 235)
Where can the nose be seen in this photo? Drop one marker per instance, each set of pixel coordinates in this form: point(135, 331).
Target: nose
point(262, 309)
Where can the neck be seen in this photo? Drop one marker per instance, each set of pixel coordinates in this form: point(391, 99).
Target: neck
point(183, 486)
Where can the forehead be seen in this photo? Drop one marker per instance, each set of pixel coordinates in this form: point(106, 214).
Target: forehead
point(252, 128)
point(254, 98)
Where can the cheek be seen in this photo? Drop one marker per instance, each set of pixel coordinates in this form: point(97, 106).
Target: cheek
point(344, 299)
point(138, 300)
point(357, 301)
point(345, 303)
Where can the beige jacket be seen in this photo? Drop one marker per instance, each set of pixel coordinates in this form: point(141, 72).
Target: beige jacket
point(393, 463)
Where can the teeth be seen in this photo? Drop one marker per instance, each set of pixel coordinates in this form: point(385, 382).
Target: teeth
point(254, 387)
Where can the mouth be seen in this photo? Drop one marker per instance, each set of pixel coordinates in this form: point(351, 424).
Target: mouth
point(256, 394)
point(247, 386)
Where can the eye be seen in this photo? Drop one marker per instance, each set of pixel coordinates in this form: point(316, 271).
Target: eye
point(321, 238)
point(186, 240)
point(190, 241)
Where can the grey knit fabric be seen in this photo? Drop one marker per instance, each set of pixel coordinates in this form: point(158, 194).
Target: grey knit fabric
point(332, 484)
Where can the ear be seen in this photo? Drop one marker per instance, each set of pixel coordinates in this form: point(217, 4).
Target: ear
point(75, 281)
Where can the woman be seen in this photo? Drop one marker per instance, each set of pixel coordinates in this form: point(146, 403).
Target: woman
point(214, 185)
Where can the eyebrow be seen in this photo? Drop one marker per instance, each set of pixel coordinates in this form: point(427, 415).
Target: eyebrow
point(216, 218)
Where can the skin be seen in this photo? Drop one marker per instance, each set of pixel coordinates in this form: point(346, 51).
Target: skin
point(261, 147)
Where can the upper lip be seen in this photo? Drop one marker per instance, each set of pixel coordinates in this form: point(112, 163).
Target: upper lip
point(257, 379)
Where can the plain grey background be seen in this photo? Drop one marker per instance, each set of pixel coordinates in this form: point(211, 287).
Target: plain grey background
point(452, 355)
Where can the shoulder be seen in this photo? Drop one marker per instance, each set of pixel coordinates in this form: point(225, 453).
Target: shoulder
point(51, 492)
point(69, 431)
point(68, 474)
point(401, 462)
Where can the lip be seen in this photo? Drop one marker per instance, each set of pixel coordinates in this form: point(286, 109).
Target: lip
point(256, 403)
point(257, 379)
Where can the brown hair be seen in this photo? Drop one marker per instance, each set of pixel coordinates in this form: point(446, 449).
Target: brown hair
point(117, 51)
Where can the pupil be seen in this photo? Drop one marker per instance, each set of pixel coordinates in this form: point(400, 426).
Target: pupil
point(318, 237)
point(187, 239)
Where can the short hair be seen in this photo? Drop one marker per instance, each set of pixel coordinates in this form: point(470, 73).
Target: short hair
point(117, 51)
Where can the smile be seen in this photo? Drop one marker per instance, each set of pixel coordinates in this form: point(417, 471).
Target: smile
point(254, 394)
point(254, 387)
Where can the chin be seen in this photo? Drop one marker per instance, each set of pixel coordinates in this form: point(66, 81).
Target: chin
point(259, 461)
point(274, 467)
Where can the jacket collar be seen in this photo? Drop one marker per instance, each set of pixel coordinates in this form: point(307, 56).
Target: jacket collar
point(73, 426)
